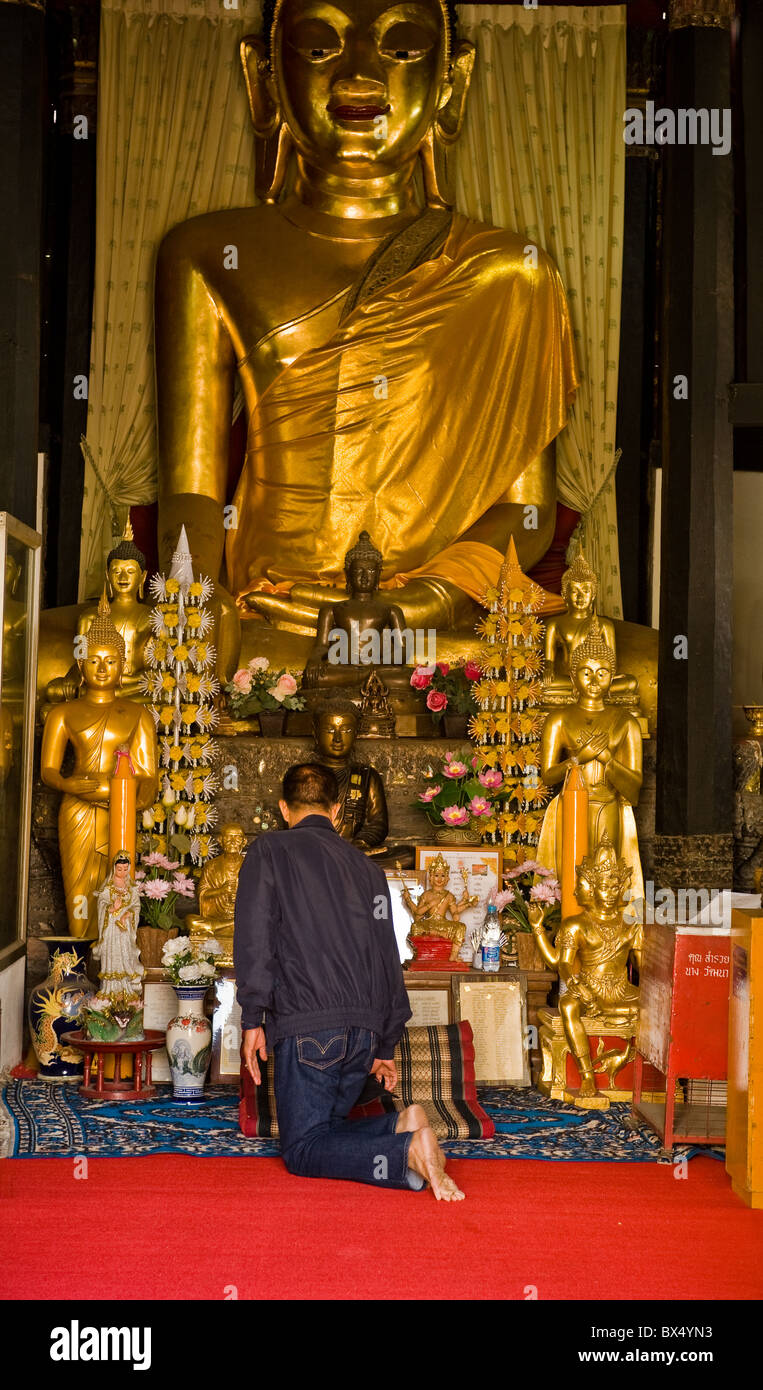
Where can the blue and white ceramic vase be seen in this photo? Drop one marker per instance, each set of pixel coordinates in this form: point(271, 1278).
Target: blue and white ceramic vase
point(55, 1006)
point(189, 1044)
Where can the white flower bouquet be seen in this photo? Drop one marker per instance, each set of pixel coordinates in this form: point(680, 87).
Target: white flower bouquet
point(191, 962)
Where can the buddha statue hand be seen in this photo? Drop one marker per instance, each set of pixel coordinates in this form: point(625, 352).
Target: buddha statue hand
point(425, 603)
point(594, 746)
point(535, 915)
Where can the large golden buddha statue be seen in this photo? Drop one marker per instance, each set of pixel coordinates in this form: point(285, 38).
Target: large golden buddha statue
point(405, 369)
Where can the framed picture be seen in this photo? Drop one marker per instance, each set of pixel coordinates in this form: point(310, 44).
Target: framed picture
point(497, 1012)
point(401, 917)
point(160, 1004)
point(19, 609)
point(225, 1068)
point(476, 870)
point(431, 1002)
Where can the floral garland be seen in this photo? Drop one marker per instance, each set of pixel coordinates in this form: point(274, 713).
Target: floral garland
point(182, 686)
point(508, 726)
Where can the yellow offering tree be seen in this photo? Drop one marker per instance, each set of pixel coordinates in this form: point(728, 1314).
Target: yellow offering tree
point(182, 686)
point(507, 728)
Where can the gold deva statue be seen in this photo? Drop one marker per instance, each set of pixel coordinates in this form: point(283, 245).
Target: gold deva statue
point(125, 583)
point(217, 891)
point(375, 340)
point(96, 724)
point(591, 953)
point(565, 632)
point(430, 913)
point(605, 741)
point(376, 717)
point(362, 816)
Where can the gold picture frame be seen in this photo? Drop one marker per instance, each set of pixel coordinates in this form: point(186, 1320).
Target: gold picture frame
point(20, 551)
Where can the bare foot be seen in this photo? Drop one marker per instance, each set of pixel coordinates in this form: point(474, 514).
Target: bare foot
point(412, 1118)
point(426, 1158)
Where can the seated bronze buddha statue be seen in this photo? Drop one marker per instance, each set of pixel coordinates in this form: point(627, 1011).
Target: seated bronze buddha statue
point(362, 816)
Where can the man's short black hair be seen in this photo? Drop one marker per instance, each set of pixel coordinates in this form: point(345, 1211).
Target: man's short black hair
point(310, 784)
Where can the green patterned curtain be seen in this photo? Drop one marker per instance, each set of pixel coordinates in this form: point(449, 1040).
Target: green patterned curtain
point(542, 152)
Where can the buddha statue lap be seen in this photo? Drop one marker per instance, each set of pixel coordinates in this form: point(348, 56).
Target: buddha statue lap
point(96, 724)
point(606, 743)
point(218, 885)
point(373, 338)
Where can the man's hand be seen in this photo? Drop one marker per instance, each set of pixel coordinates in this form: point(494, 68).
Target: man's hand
point(385, 1072)
point(254, 1043)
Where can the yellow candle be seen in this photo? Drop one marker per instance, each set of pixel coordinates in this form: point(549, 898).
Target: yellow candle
point(574, 835)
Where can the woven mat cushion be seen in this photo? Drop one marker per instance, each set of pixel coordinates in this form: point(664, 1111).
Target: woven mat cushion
point(435, 1070)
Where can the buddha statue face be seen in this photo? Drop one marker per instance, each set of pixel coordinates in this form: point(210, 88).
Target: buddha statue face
point(335, 734)
point(363, 576)
point(592, 678)
point(125, 579)
point(579, 596)
point(101, 669)
point(232, 839)
point(359, 81)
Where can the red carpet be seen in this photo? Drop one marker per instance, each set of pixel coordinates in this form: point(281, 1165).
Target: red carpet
point(177, 1227)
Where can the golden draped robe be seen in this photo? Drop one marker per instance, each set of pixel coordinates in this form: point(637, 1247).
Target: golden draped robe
point(429, 396)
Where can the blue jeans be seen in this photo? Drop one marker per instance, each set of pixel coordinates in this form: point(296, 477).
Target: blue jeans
point(318, 1079)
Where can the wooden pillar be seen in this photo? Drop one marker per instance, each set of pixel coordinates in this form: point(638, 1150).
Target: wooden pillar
point(693, 844)
point(22, 67)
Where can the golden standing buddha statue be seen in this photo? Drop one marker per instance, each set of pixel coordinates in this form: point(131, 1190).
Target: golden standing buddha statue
point(125, 583)
point(218, 886)
point(591, 952)
point(99, 722)
point(375, 340)
point(565, 632)
point(605, 741)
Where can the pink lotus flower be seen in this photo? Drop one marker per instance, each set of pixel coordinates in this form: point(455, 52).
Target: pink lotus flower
point(455, 815)
point(243, 681)
point(156, 888)
point(453, 768)
point(437, 701)
point(491, 778)
point(430, 793)
point(472, 671)
point(421, 677)
point(479, 806)
point(443, 667)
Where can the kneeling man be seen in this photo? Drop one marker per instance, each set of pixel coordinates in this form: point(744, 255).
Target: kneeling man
point(319, 974)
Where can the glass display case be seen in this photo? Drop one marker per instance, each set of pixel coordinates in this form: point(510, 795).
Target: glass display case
point(19, 607)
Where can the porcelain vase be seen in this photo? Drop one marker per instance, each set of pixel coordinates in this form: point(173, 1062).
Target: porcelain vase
point(189, 1044)
point(55, 1007)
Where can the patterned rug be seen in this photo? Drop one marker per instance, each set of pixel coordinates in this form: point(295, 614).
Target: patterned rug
point(44, 1119)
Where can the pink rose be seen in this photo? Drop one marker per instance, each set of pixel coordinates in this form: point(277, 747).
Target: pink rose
point(472, 671)
point(421, 677)
point(479, 806)
point(455, 815)
point(287, 684)
point(443, 667)
point(243, 681)
point(259, 663)
point(437, 701)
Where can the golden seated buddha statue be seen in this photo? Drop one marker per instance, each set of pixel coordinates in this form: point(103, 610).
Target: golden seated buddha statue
point(218, 885)
point(565, 631)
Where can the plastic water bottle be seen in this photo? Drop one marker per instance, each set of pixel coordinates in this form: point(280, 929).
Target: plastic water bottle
point(491, 940)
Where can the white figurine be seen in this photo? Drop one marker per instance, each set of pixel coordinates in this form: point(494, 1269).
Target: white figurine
point(121, 971)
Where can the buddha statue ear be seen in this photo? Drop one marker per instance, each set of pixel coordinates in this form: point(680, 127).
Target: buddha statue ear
point(142, 585)
point(273, 137)
point(446, 127)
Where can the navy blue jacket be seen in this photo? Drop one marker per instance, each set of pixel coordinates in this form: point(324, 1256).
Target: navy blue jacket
point(314, 946)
